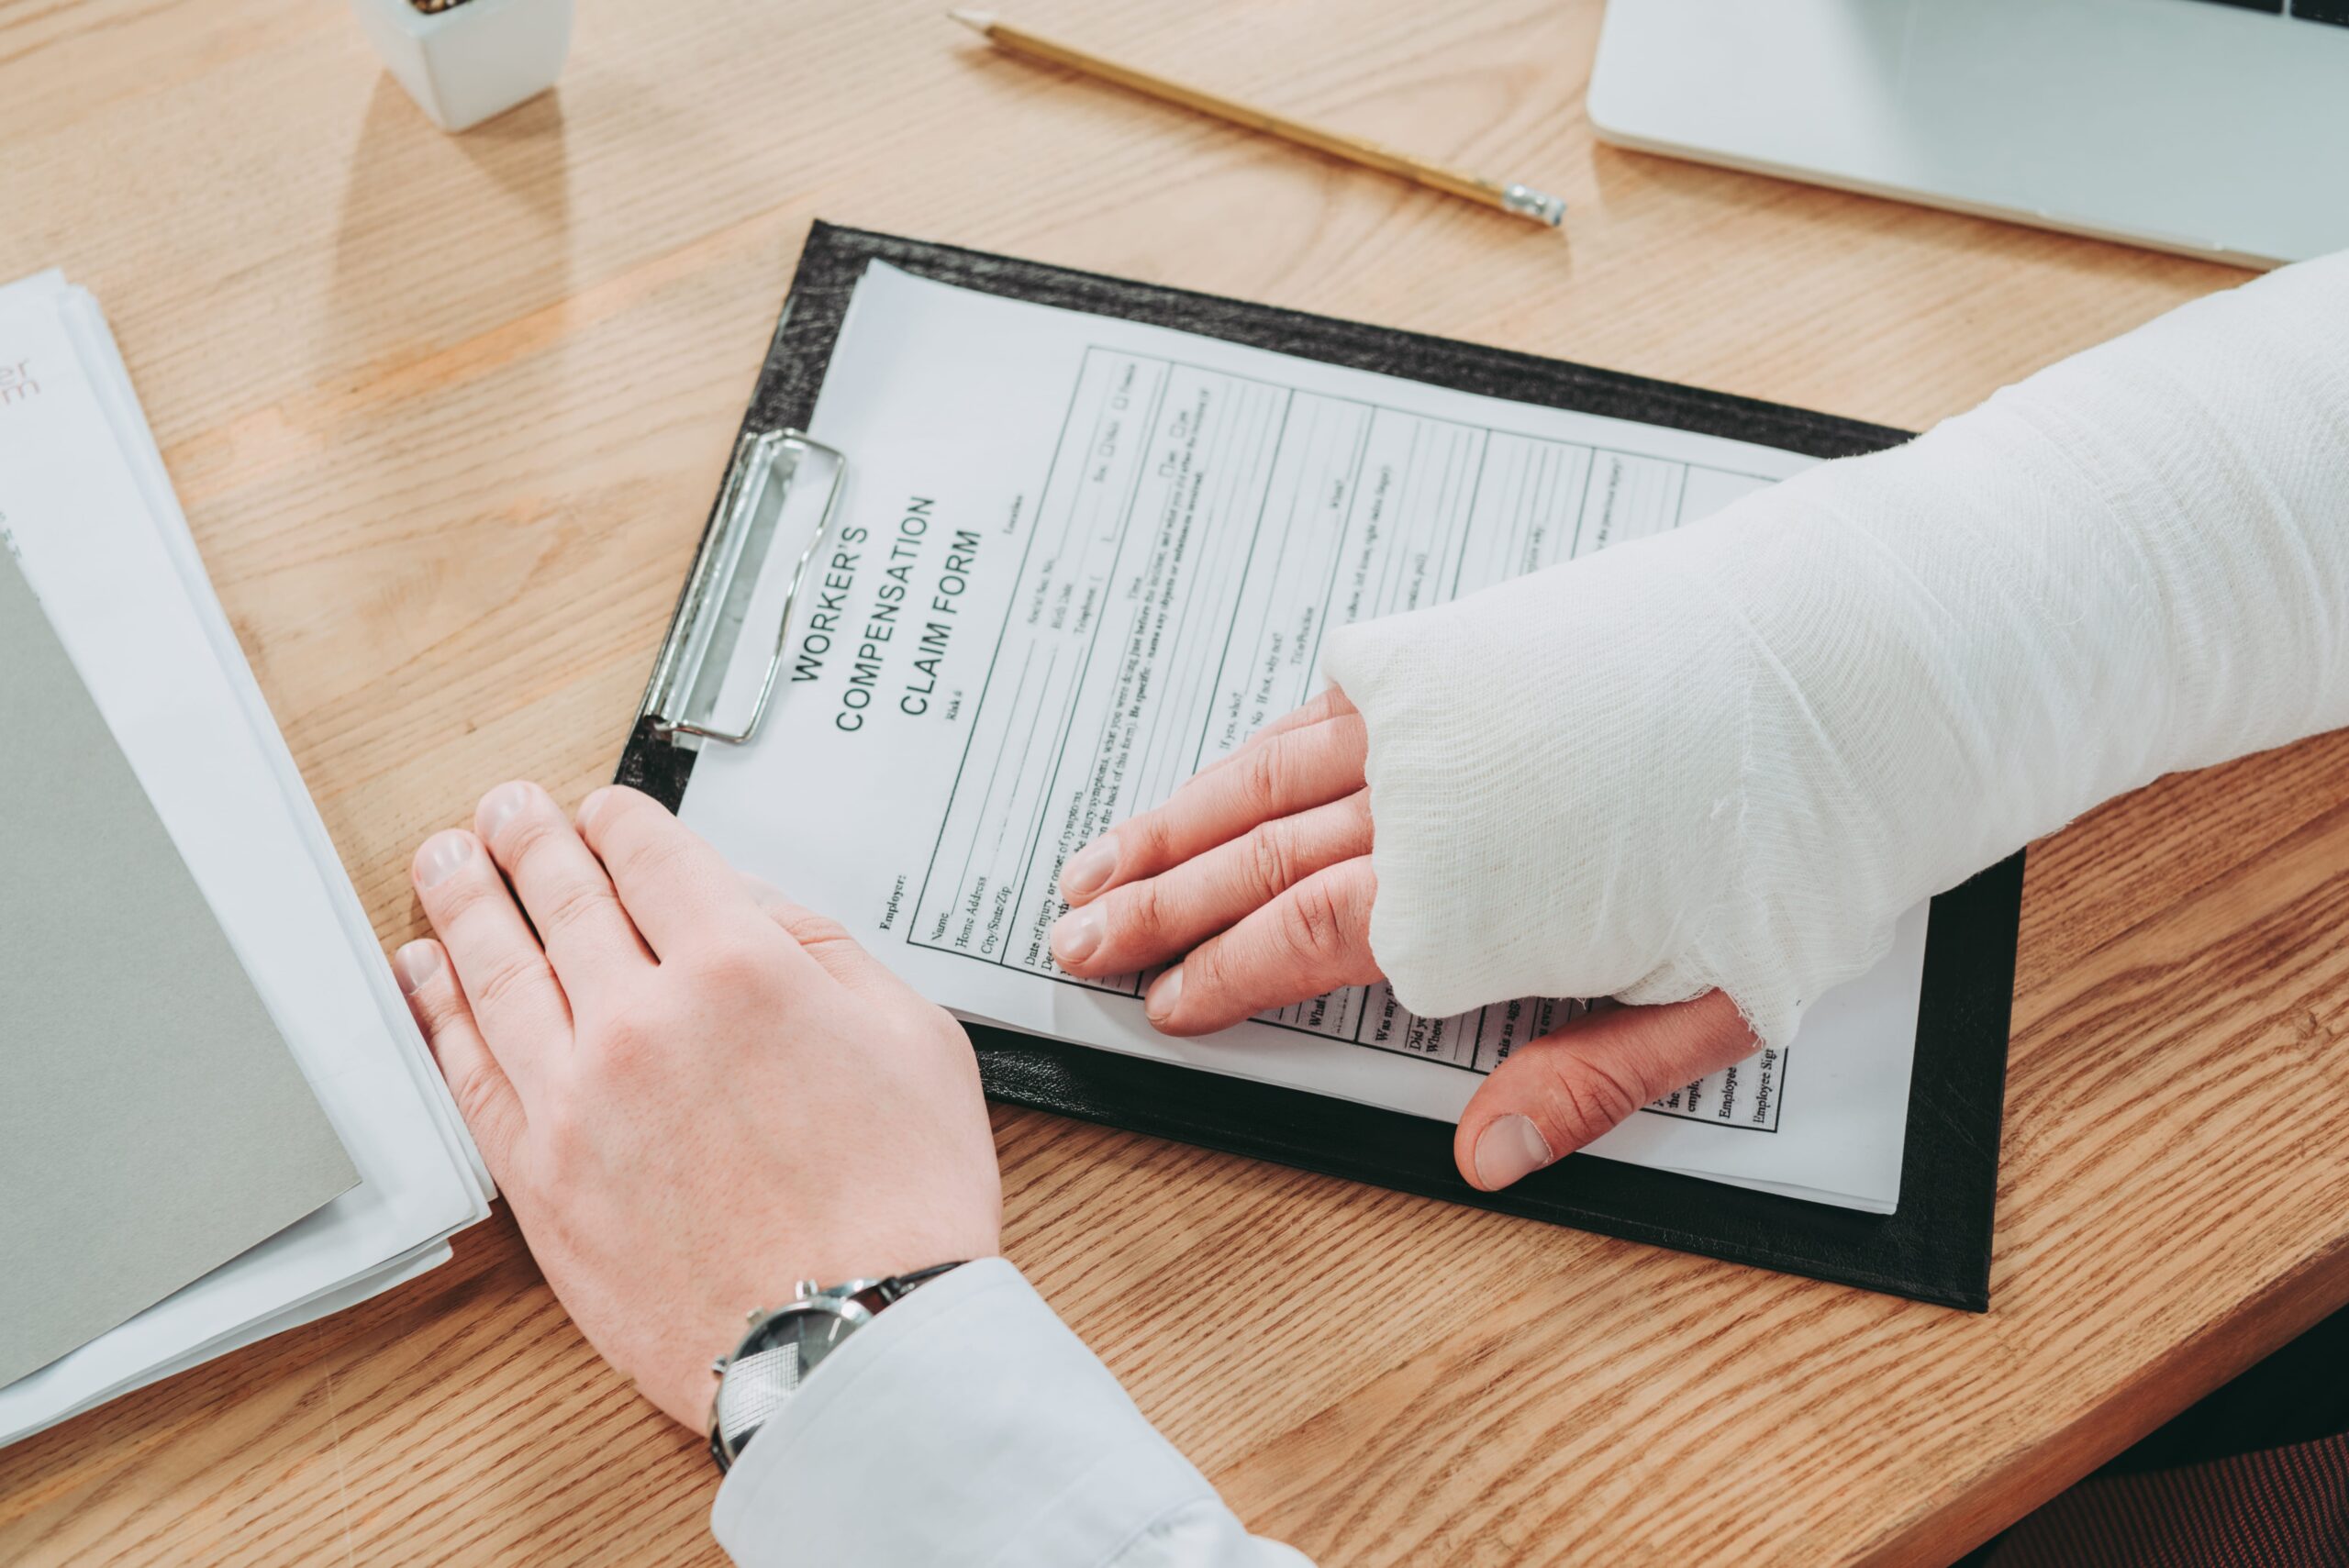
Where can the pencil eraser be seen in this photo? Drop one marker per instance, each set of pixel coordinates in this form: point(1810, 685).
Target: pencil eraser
point(464, 61)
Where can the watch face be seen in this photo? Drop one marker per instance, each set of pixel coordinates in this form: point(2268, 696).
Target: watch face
point(768, 1368)
point(817, 1334)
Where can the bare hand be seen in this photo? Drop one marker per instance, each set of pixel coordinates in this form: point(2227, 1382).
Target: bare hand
point(1254, 881)
point(693, 1091)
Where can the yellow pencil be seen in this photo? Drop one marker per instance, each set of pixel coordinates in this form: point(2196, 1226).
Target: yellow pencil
point(1522, 200)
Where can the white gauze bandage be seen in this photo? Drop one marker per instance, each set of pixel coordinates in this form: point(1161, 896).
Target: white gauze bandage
point(1730, 755)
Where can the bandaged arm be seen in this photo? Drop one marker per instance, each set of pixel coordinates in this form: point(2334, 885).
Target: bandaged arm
point(1730, 755)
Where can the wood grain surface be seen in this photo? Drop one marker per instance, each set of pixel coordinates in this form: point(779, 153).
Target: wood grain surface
point(447, 414)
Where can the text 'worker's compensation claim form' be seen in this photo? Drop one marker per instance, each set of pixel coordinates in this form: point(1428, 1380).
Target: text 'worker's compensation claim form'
point(1078, 557)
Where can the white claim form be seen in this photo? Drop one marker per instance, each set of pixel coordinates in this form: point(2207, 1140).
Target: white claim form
point(1077, 557)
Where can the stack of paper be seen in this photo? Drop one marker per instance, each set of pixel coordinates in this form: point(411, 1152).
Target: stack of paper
point(154, 1123)
point(88, 512)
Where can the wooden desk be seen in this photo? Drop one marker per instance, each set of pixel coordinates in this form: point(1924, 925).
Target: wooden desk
point(447, 414)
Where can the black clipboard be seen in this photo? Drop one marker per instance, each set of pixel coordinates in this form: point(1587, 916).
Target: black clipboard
point(1935, 1248)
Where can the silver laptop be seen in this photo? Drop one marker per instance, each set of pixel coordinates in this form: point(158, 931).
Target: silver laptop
point(2217, 128)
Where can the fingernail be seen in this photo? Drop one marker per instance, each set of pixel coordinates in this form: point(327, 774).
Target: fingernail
point(1159, 1004)
point(442, 854)
point(592, 804)
point(416, 963)
point(1509, 1150)
point(1089, 870)
point(500, 806)
point(1076, 935)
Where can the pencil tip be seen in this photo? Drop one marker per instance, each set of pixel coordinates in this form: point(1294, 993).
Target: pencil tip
point(979, 21)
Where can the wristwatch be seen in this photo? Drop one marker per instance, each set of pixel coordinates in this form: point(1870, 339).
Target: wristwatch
point(785, 1344)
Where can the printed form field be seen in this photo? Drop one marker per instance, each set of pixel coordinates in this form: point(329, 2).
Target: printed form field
point(1198, 534)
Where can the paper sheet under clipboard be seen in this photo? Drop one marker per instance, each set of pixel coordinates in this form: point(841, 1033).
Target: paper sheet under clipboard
point(1076, 557)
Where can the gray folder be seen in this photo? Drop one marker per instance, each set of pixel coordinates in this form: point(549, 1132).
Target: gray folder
point(153, 1124)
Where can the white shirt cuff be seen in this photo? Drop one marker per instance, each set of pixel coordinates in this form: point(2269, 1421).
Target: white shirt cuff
point(964, 1420)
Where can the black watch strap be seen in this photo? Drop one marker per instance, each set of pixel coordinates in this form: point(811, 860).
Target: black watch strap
point(899, 1287)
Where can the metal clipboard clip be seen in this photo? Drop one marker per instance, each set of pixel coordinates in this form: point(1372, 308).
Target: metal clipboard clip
point(722, 591)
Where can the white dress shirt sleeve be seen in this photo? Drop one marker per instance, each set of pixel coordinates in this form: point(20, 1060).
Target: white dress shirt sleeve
point(968, 1424)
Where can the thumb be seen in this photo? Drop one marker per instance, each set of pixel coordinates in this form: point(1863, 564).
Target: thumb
point(1557, 1094)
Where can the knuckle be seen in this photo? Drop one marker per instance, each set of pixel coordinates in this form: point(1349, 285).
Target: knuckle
point(1143, 907)
point(813, 930)
point(648, 859)
point(453, 901)
point(572, 904)
point(1212, 964)
point(627, 1033)
point(1315, 927)
point(476, 1094)
point(1260, 775)
point(823, 938)
point(524, 836)
point(437, 1006)
point(1585, 1098)
point(735, 961)
point(558, 1147)
point(508, 983)
point(1207, 972)
point(1271, 860)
